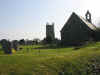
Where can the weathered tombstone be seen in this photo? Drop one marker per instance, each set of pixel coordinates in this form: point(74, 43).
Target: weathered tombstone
point(6, 46)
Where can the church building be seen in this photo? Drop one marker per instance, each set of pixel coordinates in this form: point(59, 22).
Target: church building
point(78, 30)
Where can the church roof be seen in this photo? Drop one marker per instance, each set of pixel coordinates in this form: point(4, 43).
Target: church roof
point(90, 25)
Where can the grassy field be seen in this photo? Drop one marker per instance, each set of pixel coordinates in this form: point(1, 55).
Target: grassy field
point(40, 60)
point(1, 51)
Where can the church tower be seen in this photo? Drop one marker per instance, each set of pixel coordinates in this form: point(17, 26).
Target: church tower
point(50, 31)
point(88, 16)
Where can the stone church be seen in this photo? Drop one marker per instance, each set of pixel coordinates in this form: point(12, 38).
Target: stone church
point(78, 30)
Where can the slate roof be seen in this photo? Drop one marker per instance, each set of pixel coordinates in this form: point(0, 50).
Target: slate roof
point(90, 25)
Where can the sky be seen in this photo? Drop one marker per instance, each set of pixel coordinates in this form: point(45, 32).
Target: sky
point(26, 19)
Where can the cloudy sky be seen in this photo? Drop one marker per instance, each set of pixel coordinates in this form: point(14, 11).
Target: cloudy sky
point(27, 18)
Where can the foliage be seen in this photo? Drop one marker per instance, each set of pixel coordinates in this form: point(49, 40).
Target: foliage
point(36, 40)
point(22, 42)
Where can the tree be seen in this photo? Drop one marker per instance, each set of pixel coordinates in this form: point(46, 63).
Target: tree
point(22, 42)
point(36, 41)
point(29, 42)
point(6, 46)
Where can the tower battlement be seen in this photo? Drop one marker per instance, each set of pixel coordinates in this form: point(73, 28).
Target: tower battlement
point(50, 31)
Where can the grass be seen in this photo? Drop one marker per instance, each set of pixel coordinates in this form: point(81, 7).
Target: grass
point(38, 60)
point(1, 51)
point(37, 50)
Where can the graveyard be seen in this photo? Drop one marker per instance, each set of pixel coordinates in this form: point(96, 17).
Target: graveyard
point(43, 60)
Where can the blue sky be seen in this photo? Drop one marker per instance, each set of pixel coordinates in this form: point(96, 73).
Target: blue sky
point(27, 18)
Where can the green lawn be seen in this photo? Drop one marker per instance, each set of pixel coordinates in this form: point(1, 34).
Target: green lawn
point(37, 60)
point(42, 51)
point(1, 51)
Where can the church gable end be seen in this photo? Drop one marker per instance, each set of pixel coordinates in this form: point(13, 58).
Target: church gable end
point(75, 30)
